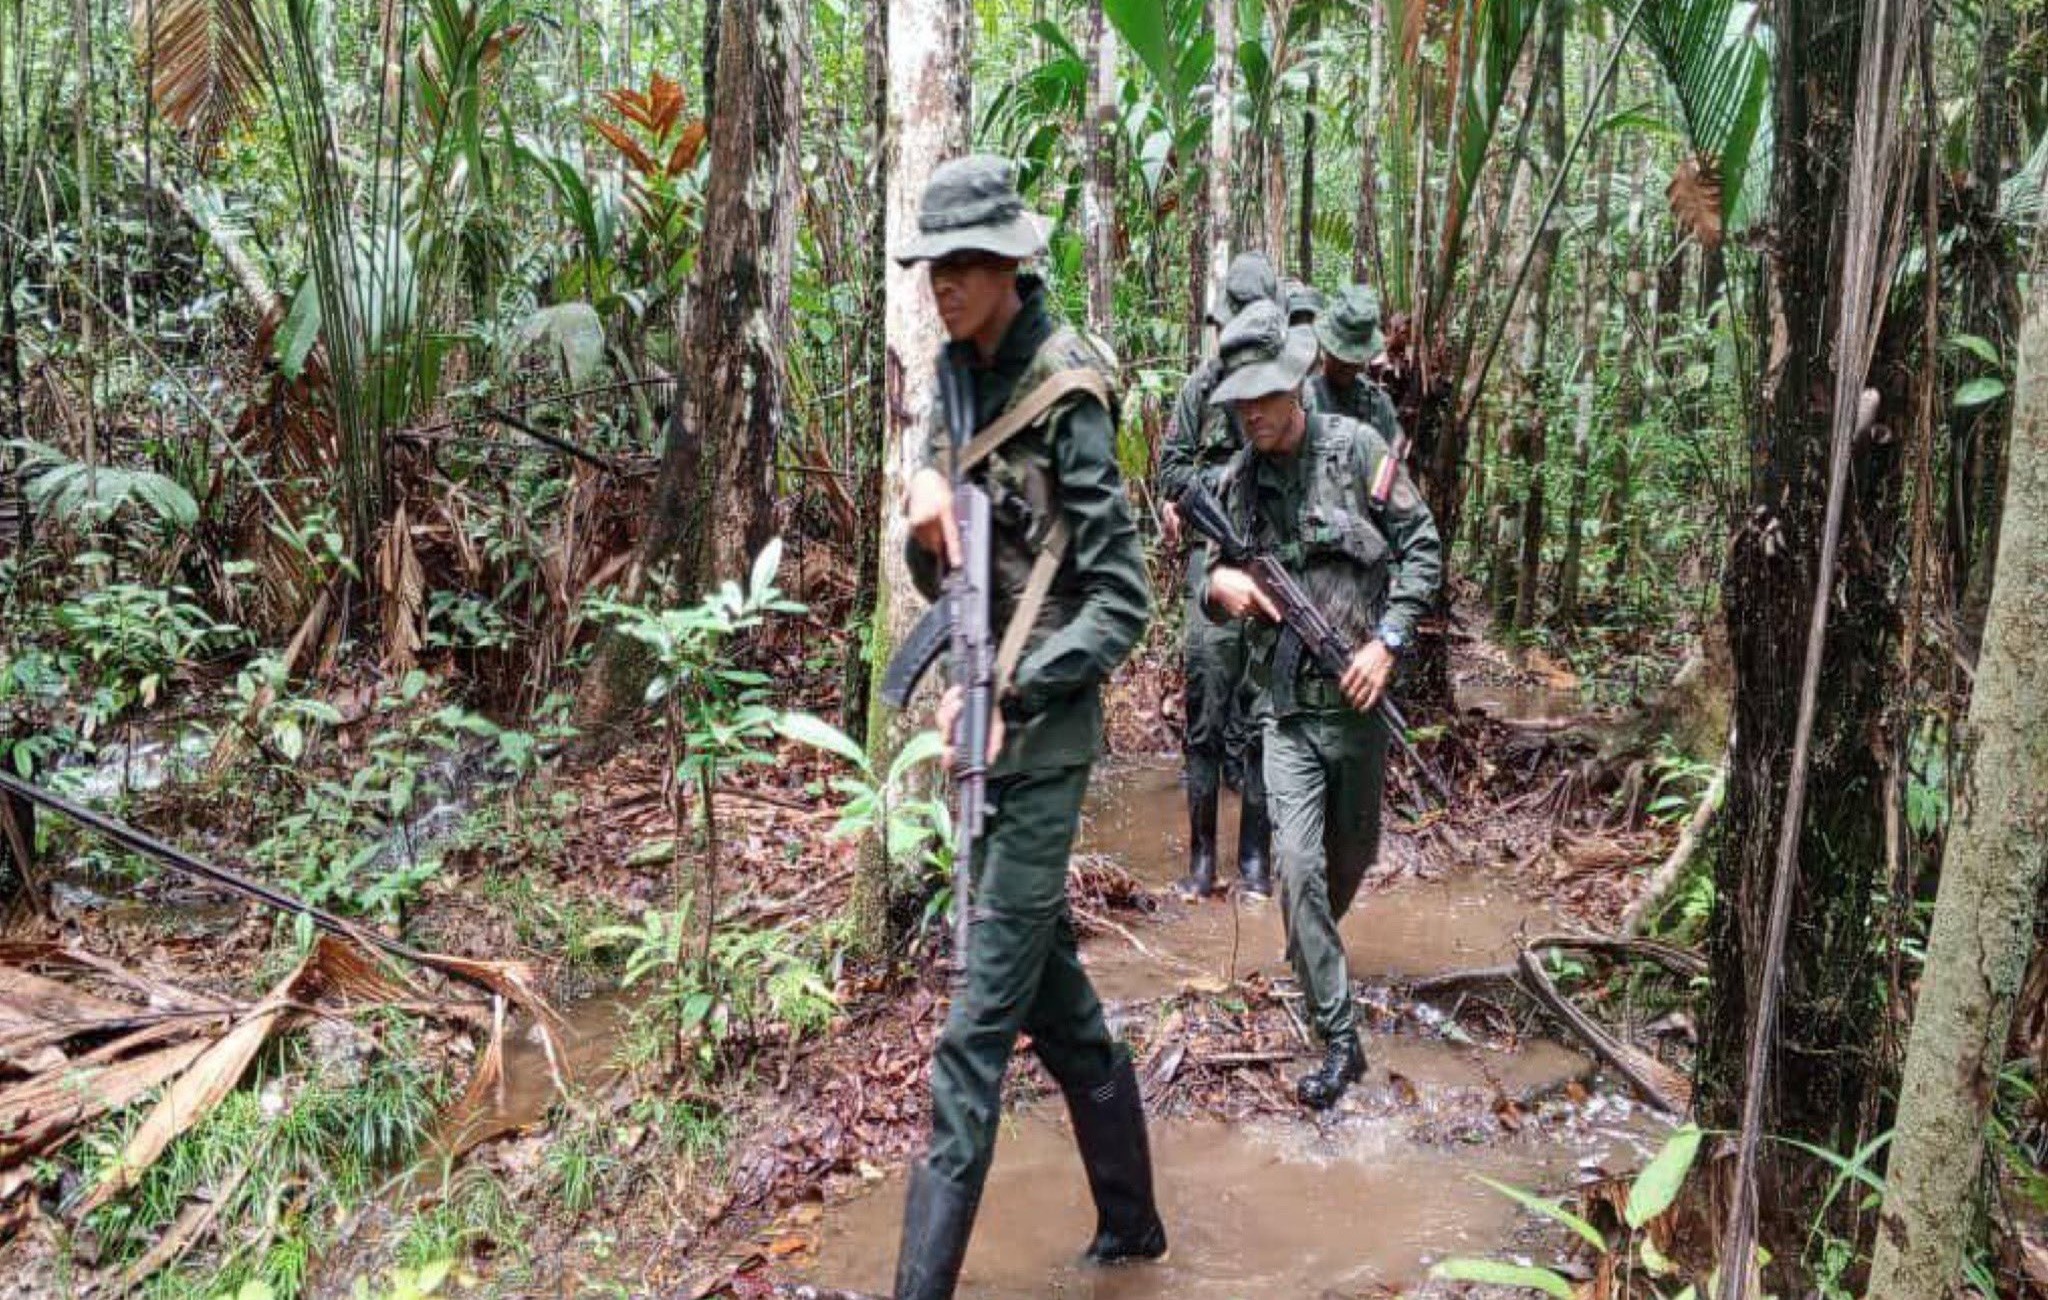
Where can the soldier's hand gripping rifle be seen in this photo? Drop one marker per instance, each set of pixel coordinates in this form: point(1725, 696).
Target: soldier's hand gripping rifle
point(1201, 511)
point(959, 623)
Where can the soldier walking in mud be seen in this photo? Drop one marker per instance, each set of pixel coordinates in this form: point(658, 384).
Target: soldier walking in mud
point(1301, 489)
point(1219, 739)
point(1055, 474)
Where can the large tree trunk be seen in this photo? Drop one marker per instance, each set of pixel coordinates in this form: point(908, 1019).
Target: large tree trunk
point(1830, 1000)
point(714, 505)
point(1991, 877)
point(929, 101)
point(1098, 178)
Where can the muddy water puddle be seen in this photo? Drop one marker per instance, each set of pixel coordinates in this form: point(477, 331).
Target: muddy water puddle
point(1263, 1209)
point(1406, 930)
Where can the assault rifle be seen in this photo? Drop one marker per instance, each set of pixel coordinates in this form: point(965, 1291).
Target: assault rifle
point(1318, 636)
point(960, 622)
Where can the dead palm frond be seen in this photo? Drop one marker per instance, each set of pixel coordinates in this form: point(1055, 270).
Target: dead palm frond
point(205, 63)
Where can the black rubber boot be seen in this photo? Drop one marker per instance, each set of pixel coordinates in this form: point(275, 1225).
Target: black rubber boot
point(1201, 877)
point(1109, 1127)
point(1343, 1065)
point(1254, 843)
point(938, 1217)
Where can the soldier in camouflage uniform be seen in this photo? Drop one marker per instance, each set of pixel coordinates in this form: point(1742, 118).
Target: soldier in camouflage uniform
point(1301, 488)
point(1349, 333)
point(1024, 973)
point(1219, 738)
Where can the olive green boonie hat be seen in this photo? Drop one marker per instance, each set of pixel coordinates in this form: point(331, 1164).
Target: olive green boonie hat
point(1304, 302)
point(1350, 329)
point(1248, 279)
point(971, 205)
point(1261, 355)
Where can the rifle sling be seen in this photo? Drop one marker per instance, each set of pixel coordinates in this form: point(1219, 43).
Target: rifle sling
point(1033, 407)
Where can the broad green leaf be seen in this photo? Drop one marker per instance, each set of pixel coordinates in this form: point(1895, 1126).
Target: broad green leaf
point(1977, 346)
point(808, 729)
point(1495, 1273)
point(1142, 24)
point(924, 747)
point(300, 330)
point(1550, 1210)
point(1979, 391)
point(762, 581)
point(1657, 1186)
point(575, 335)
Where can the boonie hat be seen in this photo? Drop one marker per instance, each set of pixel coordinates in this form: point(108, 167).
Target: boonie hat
point(1301, 300)
point(1350, 329)
point(971, 204)
point(1249, 279)
point(1262, 355)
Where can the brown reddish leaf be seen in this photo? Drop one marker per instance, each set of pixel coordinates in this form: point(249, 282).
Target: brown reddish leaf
point(1404, 1089)
point(1509, 1112)
point(688, 147)
point(1695, 194)
point(627, 146)
point(783, 1247)
point(665, 103)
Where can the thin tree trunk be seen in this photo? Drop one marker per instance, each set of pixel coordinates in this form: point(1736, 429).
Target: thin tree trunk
point(1991, 878)
point(1098, 179)
point(1222, 127)
point(1599, 252)
point(1533, 443)
point(1305, 255)
point(929, 101)
point(857, 677)
point(1368, 260)
point(88, 222)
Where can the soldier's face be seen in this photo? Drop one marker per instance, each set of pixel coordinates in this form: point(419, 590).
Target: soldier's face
point(1338, 371)
point(969, 289)
point(1272, 422)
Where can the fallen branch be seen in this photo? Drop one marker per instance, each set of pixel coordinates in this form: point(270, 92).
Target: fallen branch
point(1656, 895)
point(1656, 1082)
point(512, 981)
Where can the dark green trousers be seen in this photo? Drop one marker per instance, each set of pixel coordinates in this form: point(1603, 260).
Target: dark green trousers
point(1326, 771)
point(1220, 739)
point(1023, 974)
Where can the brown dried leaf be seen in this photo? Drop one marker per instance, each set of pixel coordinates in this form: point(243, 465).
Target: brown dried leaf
point(688, 148)
point(628, 147)
point(1695, 194)
point(403, 585)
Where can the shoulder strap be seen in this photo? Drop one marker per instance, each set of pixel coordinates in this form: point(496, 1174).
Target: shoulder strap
point(1033, 407)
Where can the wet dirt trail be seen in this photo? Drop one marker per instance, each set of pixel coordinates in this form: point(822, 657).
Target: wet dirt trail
point(1288, 1204)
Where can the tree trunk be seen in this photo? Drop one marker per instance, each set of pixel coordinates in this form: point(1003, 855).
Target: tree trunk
point(1988, 307)
point(857, 677)
point(1598, 257)
point(929, 103)
point(1831, 997)
point(1098, 177)
point(1368, 261)
point(1222, 127)
point(1991, 877)
point(1533, 443)
point(1305, 253)
point(711, 512)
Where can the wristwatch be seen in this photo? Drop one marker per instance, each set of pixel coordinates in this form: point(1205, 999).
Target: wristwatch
point(1392, 639)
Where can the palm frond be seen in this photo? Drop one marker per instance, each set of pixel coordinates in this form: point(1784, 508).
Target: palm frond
point(205, 62)
point(1716, 56)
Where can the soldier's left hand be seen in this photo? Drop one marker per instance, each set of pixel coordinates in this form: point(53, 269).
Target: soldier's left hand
point(1365, 681)
point(950, 706)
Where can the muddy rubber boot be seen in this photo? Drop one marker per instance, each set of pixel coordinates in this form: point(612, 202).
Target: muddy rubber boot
point(1109, 1127)
point(1343, 1064)
point(1201, 877)
point(1254, 845)
point(938, 1217)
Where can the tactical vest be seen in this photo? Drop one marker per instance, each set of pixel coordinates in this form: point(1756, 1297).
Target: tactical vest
point(1020, 475)
point(1218, 438)
point(1335, 543)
